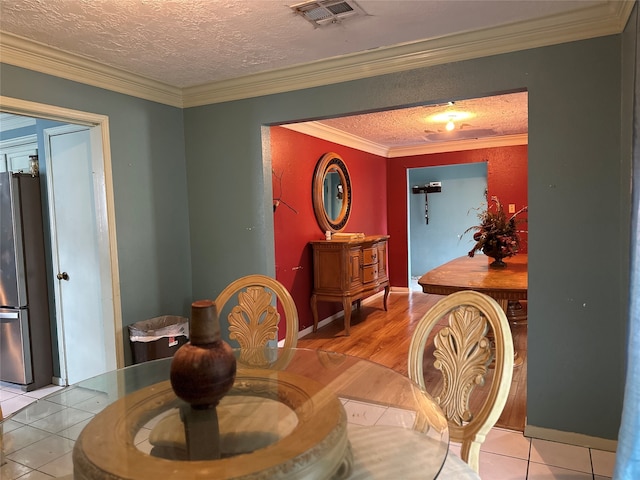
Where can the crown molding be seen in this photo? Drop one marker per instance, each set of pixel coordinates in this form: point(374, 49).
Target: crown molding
point(330, 134)
point(31, 55)
point(460, 145)
point(593, 21)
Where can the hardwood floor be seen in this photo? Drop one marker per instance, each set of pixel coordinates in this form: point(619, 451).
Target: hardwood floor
point(384, 337)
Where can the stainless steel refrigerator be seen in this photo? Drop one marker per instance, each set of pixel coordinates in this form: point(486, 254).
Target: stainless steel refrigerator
point(25, 324)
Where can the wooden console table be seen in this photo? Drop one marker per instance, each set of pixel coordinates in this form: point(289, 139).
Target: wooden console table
point(505, 285)
point(347, 270)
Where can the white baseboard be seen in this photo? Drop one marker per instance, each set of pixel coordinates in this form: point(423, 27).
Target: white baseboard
point(321, 323)
point(571, 438)
point(58, 381)
point(340, 314)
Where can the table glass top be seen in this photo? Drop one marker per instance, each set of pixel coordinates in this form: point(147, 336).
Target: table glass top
point(292, 413)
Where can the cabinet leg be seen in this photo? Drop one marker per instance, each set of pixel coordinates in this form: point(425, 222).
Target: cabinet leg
point(346, 304)
point(314, 311)
point(386, 295)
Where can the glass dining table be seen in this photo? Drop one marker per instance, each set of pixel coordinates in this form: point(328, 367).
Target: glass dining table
point(291, 413)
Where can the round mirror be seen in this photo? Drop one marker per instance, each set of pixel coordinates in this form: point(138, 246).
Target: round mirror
point(331, 193)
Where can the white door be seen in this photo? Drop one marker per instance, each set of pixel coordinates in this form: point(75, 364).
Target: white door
point(84, 312)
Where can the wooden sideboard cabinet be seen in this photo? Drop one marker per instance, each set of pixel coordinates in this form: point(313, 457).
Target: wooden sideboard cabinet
point(347, 270)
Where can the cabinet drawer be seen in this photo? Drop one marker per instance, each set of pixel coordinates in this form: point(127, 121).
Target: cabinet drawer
point(369, 273)
point(369, 255)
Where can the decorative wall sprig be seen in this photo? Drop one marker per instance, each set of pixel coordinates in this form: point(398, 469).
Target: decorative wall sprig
point(278, 200)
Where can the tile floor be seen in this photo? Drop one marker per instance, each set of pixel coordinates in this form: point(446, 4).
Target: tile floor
point(39, 447)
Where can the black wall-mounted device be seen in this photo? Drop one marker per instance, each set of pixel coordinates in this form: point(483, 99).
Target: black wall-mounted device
point(431, 187)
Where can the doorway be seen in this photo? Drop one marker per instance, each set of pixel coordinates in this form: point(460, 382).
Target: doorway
point(381, 177)
point(437, 221)
point(109, 323)
point(86, 341)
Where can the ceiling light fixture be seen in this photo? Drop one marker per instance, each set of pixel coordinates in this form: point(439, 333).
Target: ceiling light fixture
point(449, 118)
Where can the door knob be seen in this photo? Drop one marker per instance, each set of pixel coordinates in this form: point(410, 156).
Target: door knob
point(63, 276)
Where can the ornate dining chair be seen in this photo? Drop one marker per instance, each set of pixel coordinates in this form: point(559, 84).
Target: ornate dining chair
point(475, 332)
point(253, 319)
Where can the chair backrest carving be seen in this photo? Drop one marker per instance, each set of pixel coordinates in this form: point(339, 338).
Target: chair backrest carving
point(475, 333)
point(253, 322)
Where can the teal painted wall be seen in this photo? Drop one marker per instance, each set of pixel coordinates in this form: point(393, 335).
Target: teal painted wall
point(579, 182)
point(577, 243)
point(451, 212)
point(150, 189)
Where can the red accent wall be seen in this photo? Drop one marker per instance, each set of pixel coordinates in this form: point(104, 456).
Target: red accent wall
point(506, 179)
point(293, 159)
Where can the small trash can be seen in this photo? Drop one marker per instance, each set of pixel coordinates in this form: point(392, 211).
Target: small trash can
point(158, 337)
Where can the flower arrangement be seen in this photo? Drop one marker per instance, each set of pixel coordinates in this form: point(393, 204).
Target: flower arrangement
point(496, 235)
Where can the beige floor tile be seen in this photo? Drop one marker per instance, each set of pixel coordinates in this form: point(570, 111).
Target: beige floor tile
point(560, 455)
point(361, 413)
point(59, 467)
point(603, 462)
point(144, 446)
point(42, 452)
point(9, 425)
point(538, 471)
point(66, 418)
point(12, 470)
point(21, 437)
point(44, 391)
point(502, 467)
point(71, 396)
point(72, 433)
point(506, 442)
point(15, 404)
point(36, 475)
point(40, 409)
point(6, 394)
point(397, 417)
point(94, 404)
point(141, 436)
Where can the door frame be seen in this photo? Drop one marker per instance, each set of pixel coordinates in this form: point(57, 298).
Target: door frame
point(99, 213)
point(108, 242)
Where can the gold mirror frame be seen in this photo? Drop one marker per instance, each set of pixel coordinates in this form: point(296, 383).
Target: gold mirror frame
point(330, 162)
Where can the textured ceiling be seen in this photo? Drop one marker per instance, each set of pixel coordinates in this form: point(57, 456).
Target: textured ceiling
point(500, 115)
point(185, 43)
point(192, 42)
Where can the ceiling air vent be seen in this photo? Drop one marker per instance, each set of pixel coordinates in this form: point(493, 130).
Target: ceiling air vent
point(326, 12)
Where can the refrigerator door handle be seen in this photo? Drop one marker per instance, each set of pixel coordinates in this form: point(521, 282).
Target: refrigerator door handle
point(9, 315)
